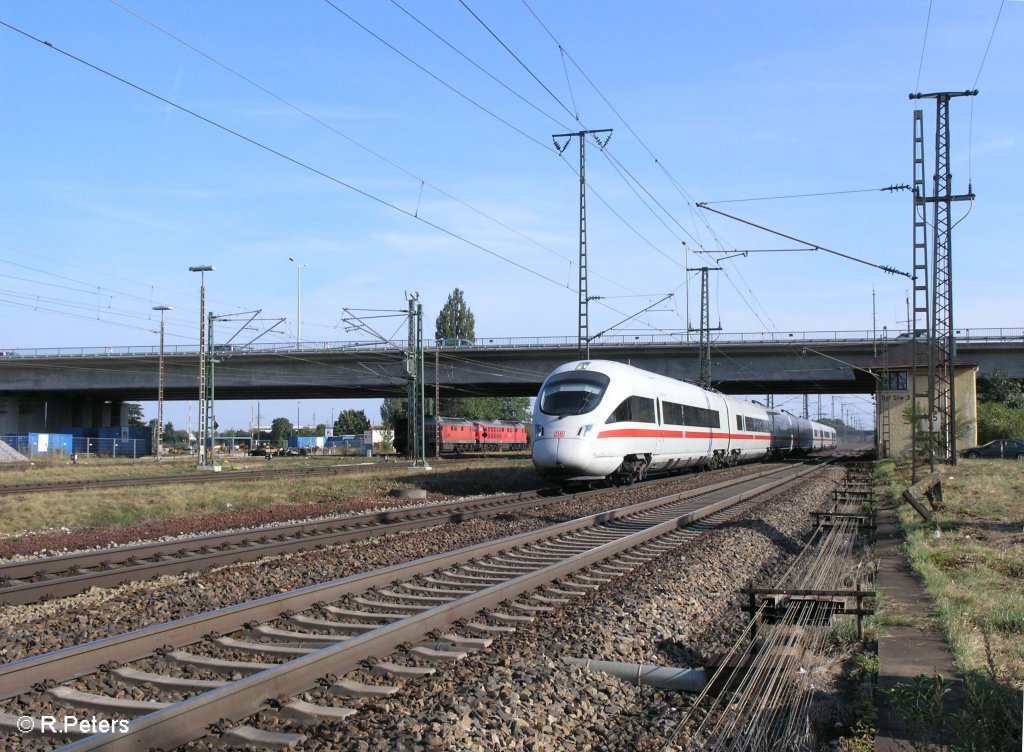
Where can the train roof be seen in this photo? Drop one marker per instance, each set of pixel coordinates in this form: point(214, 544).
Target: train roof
point(613, 368)
point(449, 421)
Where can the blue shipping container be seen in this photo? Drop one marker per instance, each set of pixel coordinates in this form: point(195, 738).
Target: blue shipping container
point(40, 443)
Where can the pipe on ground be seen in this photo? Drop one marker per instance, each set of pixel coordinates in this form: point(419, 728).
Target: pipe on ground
point(659, 677)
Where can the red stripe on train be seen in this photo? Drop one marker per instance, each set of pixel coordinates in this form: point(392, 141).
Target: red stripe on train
point(650, 433)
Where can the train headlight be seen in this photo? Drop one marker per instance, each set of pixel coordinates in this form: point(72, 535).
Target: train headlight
point(538, 430)
point(584, 430)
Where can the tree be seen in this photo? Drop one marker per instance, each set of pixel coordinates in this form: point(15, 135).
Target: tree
point(280, 430)
point(996, 421)
point(135, 418)
point(1000, 408)
point(1001, 390)
point(455, 321)
point(351, 422)
point(929, 442)
point(391, 409)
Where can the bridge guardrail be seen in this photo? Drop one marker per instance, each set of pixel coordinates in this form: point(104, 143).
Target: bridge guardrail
point(964, 336)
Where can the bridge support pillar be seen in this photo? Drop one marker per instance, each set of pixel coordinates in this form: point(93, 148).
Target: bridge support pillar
point(59, 413)
point(10, 408)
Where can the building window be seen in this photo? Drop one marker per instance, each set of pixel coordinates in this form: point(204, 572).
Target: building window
point(893, 381)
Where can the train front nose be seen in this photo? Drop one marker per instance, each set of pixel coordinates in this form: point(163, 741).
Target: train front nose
point(563, 458)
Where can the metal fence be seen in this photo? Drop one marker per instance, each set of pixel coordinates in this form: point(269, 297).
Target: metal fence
point(80, 445)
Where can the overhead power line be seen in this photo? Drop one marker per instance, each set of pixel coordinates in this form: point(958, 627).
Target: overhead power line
point(519, 60)
point(633, 182)
point(286, 157)
point(437, 78)
point(887, 269)
point(888, 188)
point(392, 47)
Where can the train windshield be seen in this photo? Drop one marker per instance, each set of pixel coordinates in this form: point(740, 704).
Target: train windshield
point(572, 393)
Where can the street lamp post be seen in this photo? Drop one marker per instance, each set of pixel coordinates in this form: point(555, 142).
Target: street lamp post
point(202, 269)
point(298, 301)
point(160, 388)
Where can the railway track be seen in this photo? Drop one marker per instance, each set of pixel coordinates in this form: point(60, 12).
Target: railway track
point(207, 477)
point(32, 580)
point(431, 610)
point(157, 480)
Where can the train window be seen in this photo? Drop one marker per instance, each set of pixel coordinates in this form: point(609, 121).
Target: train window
point(572, 393)
point(757, 424)
point(687, 415)
point(701, 417)
point(633, 410)
point(739, 422)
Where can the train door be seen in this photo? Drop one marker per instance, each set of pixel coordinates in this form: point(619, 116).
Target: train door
point(659, 457)
point(722, 442)
point(705, 436)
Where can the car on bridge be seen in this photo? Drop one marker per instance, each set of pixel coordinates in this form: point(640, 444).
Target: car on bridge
point(1005, 449)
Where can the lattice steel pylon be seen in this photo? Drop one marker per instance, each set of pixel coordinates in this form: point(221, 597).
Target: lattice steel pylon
point(705, 323)
point(583, 329)
point(942, 350)
point(883, 421)
point(920, 321)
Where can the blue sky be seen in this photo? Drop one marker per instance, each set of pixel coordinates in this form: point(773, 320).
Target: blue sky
point(400, 180)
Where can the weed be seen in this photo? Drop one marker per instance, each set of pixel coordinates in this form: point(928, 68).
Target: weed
point(975, 581)
point(135, 504)
point(865, 667)
point(861, 738)
point(920, 699)
point(842, 635)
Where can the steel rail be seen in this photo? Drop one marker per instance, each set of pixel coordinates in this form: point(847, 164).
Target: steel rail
point(201, 552)
point(68, 663)
point(31, 580)
point(189, 719)
point(57, 576)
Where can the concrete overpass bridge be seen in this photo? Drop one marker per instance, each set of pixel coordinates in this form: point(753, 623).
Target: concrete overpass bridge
point(70, 387)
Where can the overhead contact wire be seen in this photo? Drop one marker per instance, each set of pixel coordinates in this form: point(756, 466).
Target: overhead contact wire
point(282, 155)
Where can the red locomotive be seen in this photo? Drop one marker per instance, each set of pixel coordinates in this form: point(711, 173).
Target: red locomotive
point(458, 435)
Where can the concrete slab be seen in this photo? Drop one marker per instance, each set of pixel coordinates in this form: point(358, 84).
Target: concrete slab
point(908, 651)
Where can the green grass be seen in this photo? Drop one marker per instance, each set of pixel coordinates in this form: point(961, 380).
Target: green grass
point(132, 505)
point(974, 570)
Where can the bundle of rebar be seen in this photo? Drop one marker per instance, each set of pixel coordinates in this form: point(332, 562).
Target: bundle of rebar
point(766, 704)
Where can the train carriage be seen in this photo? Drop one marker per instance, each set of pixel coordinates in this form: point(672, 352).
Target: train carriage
point(791, 435)
point(599, 419)
point(824, 437)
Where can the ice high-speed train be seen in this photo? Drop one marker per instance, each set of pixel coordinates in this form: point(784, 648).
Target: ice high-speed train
point(596, 419)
